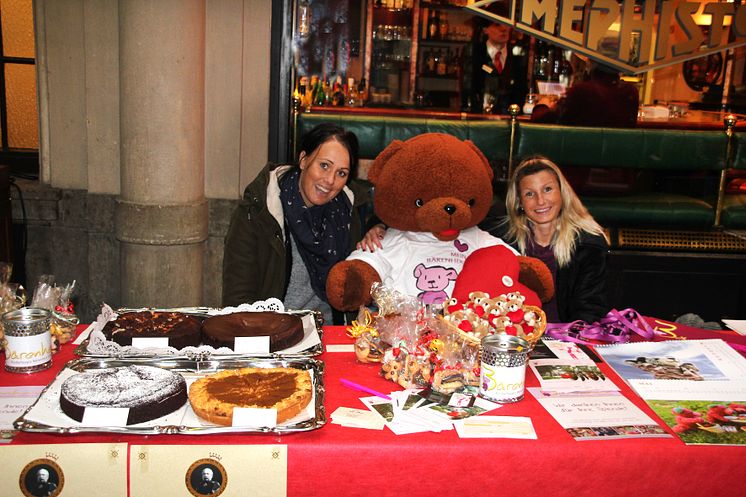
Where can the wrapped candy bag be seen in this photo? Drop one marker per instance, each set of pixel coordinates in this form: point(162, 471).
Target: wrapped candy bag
point(457, 363)
point(368, 344)
point(12, 296)
point(48, 295)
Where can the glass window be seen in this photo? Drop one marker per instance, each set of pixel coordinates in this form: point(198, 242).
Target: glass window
point(19, 118)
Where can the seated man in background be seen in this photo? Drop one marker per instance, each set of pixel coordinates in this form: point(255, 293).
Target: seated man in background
point(602, 100)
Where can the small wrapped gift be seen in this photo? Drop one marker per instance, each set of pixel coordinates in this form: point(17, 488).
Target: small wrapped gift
point(48, 295)
point(12, 295)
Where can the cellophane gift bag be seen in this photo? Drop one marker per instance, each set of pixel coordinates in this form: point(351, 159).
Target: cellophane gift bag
point(57, 299)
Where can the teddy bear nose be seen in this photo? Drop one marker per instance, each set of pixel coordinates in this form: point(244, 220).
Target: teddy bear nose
point(449, 208)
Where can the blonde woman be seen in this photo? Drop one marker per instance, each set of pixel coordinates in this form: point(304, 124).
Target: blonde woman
point(546, 220)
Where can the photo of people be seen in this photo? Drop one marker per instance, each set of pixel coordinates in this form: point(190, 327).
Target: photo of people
point(580, 433)
point(666, 368)
point(704, 421)
point(670, 360)
point(42, 478)
point(569, 372)
point(206, 477)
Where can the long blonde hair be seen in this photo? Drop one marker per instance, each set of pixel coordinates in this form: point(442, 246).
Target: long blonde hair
point(573, 218)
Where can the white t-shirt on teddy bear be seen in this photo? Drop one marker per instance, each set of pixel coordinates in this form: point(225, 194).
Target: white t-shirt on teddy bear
point(417, 263)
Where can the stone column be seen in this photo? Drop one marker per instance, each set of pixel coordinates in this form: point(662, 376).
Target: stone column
point(161, 218)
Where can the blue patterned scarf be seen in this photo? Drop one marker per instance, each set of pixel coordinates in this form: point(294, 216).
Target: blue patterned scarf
point(321, 232)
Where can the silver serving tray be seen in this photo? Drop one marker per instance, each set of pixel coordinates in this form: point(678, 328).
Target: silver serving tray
point(179, 365)
point(205, 312)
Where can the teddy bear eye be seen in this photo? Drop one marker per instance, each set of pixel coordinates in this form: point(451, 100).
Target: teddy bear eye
point(419, 202)
point(471, 202)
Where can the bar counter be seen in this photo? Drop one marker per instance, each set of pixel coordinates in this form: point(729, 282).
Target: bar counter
point(336, 460)
point(693, 119)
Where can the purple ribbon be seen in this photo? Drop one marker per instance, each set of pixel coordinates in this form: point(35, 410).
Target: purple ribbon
point(616, 327)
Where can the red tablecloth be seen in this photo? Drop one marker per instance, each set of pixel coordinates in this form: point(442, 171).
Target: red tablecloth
point(334, 460)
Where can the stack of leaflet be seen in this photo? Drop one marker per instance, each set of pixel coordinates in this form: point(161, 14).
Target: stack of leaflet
point(565, 369)
point(357, 418)
point(698, 387)
point(415, 411)
point(582, 399)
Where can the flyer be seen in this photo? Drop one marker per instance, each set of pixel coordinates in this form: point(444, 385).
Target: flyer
point(609, 416)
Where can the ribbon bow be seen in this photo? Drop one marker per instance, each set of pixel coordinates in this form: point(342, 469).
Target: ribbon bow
point(357, 328)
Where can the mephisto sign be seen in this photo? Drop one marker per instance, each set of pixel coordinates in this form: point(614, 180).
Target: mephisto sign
point(631, 36)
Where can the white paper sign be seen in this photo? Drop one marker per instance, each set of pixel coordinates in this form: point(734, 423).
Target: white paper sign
point(251, 345)
point(15, 400)
point(344, 347)
point(105, 416)
point(495, 427)
point(148, 342)
point(255, 418)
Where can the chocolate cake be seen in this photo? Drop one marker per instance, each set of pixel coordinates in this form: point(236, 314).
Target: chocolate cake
point(283, 330)
point(147, 391)
point(181, 329)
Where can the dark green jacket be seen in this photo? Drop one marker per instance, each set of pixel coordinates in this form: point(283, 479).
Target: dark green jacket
point(256, 260)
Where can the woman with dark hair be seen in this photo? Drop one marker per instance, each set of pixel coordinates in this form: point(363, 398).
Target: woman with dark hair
point(547, 220)
point(294, 223)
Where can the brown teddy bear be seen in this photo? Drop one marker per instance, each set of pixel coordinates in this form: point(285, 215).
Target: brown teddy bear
point(431, 191)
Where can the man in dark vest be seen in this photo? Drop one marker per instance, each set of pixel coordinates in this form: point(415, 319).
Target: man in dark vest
point(499, 71)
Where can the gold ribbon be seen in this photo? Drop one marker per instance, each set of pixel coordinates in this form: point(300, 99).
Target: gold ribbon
point(358, 328)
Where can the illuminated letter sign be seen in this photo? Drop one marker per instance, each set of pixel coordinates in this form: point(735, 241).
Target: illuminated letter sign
point(632, 36)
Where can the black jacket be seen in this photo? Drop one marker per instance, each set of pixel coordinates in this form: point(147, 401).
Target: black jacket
point(580, 287)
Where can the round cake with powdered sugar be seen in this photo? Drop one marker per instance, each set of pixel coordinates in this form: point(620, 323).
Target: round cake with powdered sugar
point(147, 391)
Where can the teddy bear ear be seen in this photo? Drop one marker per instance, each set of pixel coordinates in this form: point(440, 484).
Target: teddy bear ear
point(377, 167)
point(482, 157)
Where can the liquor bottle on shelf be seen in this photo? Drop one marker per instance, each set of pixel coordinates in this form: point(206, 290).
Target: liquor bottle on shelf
point(338, 96)
point(296, 92)
point(304, 19)
point(436, 62)
point(433, 25)
point(442, 67)
point(557, 59)
point(566, 69)
point(429, 62)
point(362, 91)
point(454, 68)
point(443, 26)
point(304, 101)
point(541, 61)
point(351, 94)
point(320, 98)
point(313, 87)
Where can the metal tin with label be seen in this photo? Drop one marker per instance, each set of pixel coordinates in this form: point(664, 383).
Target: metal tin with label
point(503, 368)
point(29, 342)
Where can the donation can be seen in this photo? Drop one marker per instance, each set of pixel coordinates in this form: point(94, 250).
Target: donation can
point(503, 368)
point(29, 342)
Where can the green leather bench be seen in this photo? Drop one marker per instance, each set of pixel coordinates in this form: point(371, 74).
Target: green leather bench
point(643, 149)
point(639, 149)
point(376, 132)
